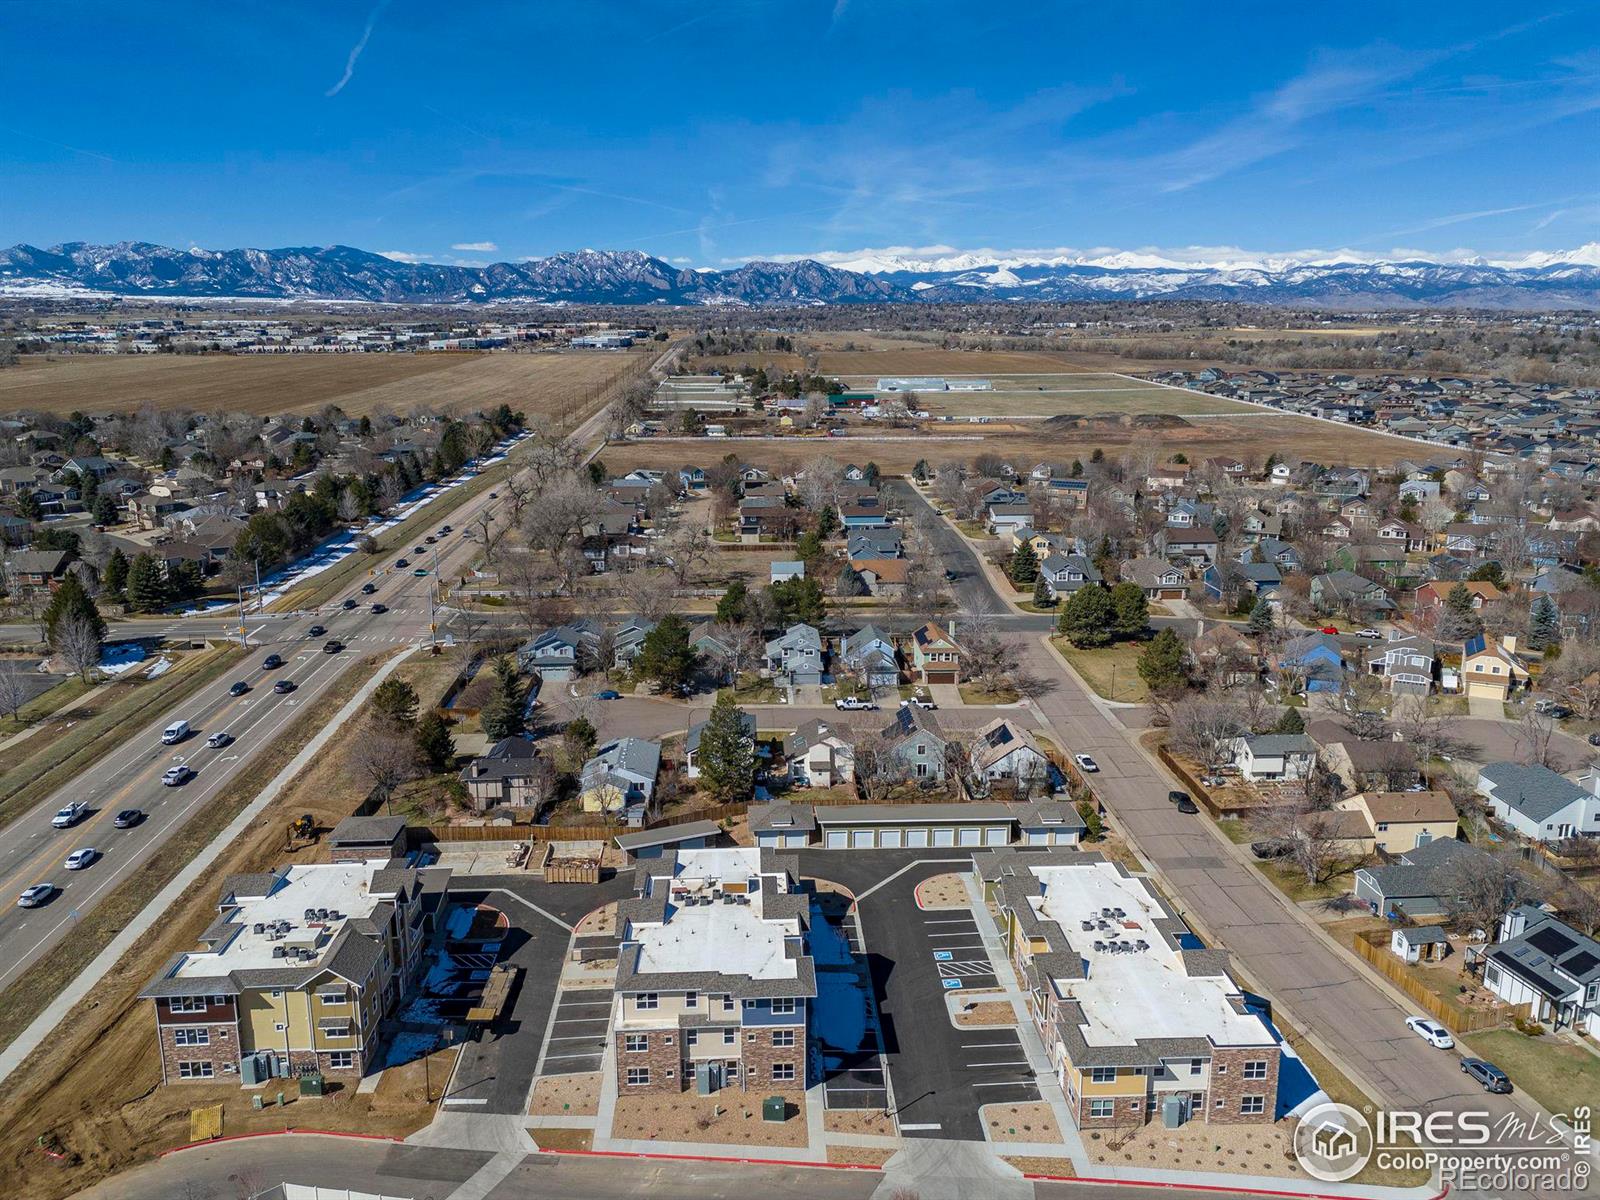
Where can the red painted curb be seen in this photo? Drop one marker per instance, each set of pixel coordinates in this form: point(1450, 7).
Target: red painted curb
point(1201, 1187)
point(754, 1162)
point(292, 1131)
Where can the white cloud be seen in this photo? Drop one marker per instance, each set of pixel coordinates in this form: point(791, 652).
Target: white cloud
point(404, 256)
point(478, 247)
point(355, 51)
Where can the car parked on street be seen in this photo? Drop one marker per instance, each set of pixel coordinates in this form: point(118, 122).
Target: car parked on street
point(1486, 1073)
point(1431, 1032)
point(1188, 806)
point(608, 694)
point(79, 859)
point(1086, 764)
point(921, 700)
point(854, 704)
point(1371, 635)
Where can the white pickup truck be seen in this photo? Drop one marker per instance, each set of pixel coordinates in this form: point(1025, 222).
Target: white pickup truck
point(69, 816)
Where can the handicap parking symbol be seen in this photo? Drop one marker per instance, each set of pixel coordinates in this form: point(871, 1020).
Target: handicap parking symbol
point(942, 956)
point(950, 985)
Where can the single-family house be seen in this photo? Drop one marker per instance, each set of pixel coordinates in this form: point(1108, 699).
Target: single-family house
point(1430, 597)
point(562, 653)
point(1005, 519)
point(1274, 756)
point(691, 743)
point(818, 756)
point(1402, 821)
point(1540, 804)
point(1002, 749)
point(884, 577)
point(796, 658)
point(1424, 883)
point(507, 774)
point(1406, 662)
point(935, 655)
point(1546, 967)
point(1157, 576)
point(914, 738)
point(621, 778)
point(1318, 658)
point(1065, 574)
point(869, 653)
point(1347, 591)
point(1491, 668)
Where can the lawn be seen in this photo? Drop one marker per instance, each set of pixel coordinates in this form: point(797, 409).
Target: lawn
point(972, 694)
point(1554, 1073)
point(752, 689)
point(1291, 881)
point(1112, 672)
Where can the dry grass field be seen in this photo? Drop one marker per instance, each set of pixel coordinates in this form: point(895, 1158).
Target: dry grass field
point(930, 360)
point(275, 384)
point(1076, 394)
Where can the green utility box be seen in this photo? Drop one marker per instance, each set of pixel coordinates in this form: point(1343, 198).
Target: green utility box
point(774, 1108)
point(312, 1085)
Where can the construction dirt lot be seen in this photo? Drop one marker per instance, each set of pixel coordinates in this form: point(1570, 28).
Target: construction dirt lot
point(95, 1090)
point(274, 384)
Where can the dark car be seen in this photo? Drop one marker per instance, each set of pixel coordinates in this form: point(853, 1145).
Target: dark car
point(332, 646)
point(239, 688)
point(368, 588)
point(430, 539)
point(348, 604)
point(608, 694)
point(1490, 1076)
point(1271, 848)
point(418, 550)
point(443, 529)
point(283, 687)
point(1177, 797)
point(494, 495)
point(127, 818)
point(1593, 739)
point(270, 662)
point(1187, 806)
point(404, 562)
point(380, 609)
point(316, 631)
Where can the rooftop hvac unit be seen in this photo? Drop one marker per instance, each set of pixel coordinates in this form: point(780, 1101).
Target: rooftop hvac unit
point(279, 951)
point(260, 928)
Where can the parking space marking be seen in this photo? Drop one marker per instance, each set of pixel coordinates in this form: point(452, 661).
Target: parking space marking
point(1024, 1083)
point(998, 1064)
point(567, 1057)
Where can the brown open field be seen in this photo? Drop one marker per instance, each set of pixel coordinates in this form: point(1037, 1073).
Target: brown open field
point(275, 384)
point(933, 361)
point(1076, 394)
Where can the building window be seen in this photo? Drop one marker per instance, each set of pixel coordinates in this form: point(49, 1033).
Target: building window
point(1134, 1105)
point(783, 1005)
point(730, 1037)
point(1256, 1068)
point(1102, 1074)
point(782, 1072)
point(1252, 1106)
point(1491, 975)
point(341, 1060)
point(191, 1037)
point(1196, 1065)
point(691, 1037)
point(186, 1004)
point(646, 1000)
point(638, 1076)
point(635, 1043)
point(783, 1038)
point(1221, 1068)
point(691, 1000)
point(1102, 1108)
point(196, 1070)
point(279, 1026)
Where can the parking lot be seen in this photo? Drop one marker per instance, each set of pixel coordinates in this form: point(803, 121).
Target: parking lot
point(577, 1038)
point(957, 950)
point(846, 1025)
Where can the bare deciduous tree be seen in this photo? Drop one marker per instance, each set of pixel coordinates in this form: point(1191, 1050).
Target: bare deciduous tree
point(1204, 728)
point(879, 767)
point(13, 692)
point(385, 758)
point(1535, 736)
point(1479, 889)
point(78, 643)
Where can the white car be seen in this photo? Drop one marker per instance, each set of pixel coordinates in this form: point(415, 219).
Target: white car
point(176, 776)
point(853, 704)
point(1431, 1032)
point(218, 740)
point(1370, 635)
point(1086, 764)
point(79, 859)
point(36, 895)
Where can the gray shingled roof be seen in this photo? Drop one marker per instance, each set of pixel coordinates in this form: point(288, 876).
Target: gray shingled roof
point(1536, 792)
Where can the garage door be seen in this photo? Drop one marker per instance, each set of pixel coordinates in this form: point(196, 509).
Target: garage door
point(1482, 691)
point(941, 676)
point(916, 838)
point(861, 839)
point(838, 839)
point(944, 837)
point(889, 839)
point(998, 836)
point(971, 837)
point(1038, 837)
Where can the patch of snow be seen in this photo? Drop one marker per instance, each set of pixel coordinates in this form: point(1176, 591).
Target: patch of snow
point(159, 668)
point(121, 657)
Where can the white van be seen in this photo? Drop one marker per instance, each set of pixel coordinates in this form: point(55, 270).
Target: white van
point(174, 733)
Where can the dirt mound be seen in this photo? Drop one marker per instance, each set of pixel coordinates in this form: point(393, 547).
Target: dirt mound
point(1118, 420)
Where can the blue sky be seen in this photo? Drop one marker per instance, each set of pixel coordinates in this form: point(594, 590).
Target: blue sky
point(710, 133)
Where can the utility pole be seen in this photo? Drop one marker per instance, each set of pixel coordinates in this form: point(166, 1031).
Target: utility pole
point(258, 584)
point(243, 640)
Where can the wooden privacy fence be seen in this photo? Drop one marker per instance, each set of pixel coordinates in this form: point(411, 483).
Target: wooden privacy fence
point(1197, 790)
point(1374, 947)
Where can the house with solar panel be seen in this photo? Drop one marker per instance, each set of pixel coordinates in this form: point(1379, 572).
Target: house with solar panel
point(1547, 967)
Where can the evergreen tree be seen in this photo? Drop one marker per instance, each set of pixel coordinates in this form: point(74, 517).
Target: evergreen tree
point(1086, 617)
point(850, 583)
point(146, 591)
point(578, 739)
point(798, 600)
point(809, 547)
point(1544, 623)
point(105, 509)
point(395, 701)
point(1457, 620)
point(1162, 663)
point(734, 605)
point(1041, 593)
point(871, 474)
point(1261, 617)
point(115, 577)
point(1489, 572)
point(28, 506)
point(1130, 610)
point(70, 600)
point(920, 471)
point(502, 715)
point(827, 521)
point(1290, 722)
point(434, 743)
point(188, 580)
point(665, 655)
point(1099, 455)
point(1024, 565)
point(727, 757)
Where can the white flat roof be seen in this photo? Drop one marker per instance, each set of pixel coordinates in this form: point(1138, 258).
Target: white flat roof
point(344, 888)
point(738, 864)
point(1133, 995)
point(730, 939)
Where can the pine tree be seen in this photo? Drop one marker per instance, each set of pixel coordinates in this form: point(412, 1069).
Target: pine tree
point(1086, 617)
point(146, 591)
point(115, 577)
point(1290, 722)
point(70, 600)
point(502, 715)
point(665, 655)
point(434, 743)
point(732, 608)
point(850, 583)
point(1162, 663)
point(1041, 593)
point(1130, 610)
point(1544, 623)
point(726, 756)
point(1457, 620)
point(395, 701)
point(1261, 618)
point(105, 509)
point(1024, 565)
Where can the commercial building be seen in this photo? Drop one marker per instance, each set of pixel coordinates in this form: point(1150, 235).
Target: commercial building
point(714, 983)
point(1140, 1020)
point(296, 973)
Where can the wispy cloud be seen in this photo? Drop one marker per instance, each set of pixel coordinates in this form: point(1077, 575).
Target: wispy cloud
point(478, 247)
point(404, 256)
point(1462, 218)
point(361, 44)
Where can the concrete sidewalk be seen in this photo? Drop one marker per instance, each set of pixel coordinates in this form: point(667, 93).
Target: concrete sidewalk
point(80, 987)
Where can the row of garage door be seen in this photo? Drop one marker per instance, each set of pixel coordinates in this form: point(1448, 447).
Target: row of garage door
point(895, 839)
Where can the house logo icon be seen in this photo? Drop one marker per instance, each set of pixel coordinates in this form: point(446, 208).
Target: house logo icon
point(1332, 1142)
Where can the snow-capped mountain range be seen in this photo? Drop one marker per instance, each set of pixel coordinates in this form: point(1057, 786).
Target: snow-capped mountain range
point(1562, 280)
